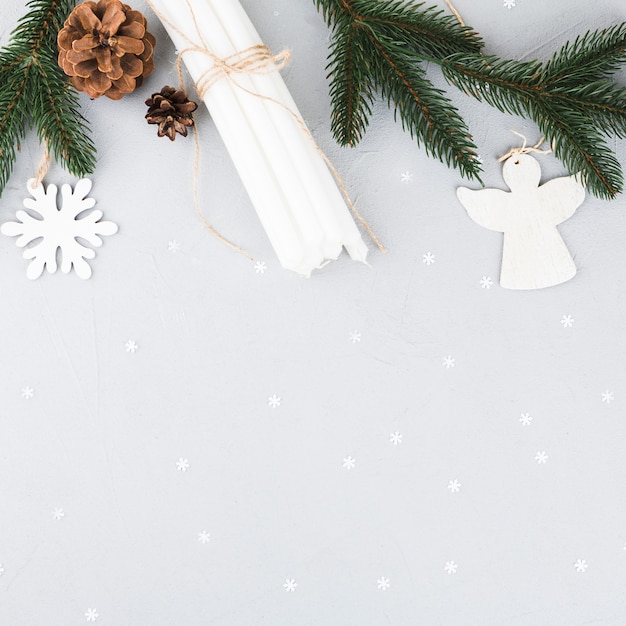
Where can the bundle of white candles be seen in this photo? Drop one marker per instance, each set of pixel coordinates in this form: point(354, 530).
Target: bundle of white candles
point(295, 195)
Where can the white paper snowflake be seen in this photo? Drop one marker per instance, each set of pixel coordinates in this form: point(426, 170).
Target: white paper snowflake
point(58, 229)
point(454, 486)
point(349, 463)
point(428, 258)
point(273, 401)
point(204, 537)
point(355, 336)
point(58, 514)
point(91, 615)
point(182, 465)
point(395, 438)
point(608, 397)
point(525, 419)
point(448, 362)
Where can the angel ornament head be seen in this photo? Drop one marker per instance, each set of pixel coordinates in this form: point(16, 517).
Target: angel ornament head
point(534, 254)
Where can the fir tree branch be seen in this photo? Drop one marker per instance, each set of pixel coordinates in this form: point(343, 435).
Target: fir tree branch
point(424, 111)
point(373, 47)
point(574, 117)
point(351, 92)
point(37, 92)
point(596, 53)
point(571, 97)
point(13, 104)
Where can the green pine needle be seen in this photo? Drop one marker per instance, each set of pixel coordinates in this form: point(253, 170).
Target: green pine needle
point(37, 93)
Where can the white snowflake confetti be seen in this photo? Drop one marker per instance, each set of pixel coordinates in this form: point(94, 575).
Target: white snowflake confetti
point(355, 336)
point(173, 246)
point(349, 463)
point(290, 584)
point(395, 438)
point(131, 346)
point(383, 583)
point(451, 567)
point(204, 537)
point(428, 258)
point(567, 321)
point(525, 419)
point(58, 514)
point(624, 546)
point(406, 177)
point(608, 397)
point(182, 465)
point(508, 4)
point(541, 458)
point(260, 267)
point(58, 229)
point(91, 615)
point(486, 282)
point(1, 569)
point(273, 401)
point(27, 393)
point(581, 565)
point(454, 486)
point(448, 362)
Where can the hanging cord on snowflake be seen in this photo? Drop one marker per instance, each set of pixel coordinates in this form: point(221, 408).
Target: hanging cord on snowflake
point(35, 93)
point(385, 45)
point(43, 167)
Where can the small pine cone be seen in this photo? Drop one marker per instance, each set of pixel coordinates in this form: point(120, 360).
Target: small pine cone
point(105, 48)
point(172, 111)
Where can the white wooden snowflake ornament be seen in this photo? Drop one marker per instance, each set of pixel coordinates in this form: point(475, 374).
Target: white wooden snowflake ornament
point(58, 228)
point(534, 255)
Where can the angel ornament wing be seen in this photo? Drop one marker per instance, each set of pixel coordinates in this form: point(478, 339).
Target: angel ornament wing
point(534, 255)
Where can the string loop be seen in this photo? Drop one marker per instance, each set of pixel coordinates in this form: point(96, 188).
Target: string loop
point(44, 165)
point(524, 149)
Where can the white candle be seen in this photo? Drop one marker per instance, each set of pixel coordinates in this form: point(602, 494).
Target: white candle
point(321, 184)
point(293, 193)
point(303, 216)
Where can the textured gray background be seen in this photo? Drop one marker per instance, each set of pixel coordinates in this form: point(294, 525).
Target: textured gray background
point(102, 434)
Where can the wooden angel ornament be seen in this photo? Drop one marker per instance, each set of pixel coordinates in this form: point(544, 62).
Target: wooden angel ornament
point(534, 254)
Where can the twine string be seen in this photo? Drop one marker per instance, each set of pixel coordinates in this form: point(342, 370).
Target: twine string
point(257, 59)
point(525, 149)
point(456, 13)
point(44, 165)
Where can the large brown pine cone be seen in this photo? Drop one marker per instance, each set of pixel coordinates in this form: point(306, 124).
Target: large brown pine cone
point(106, 48)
